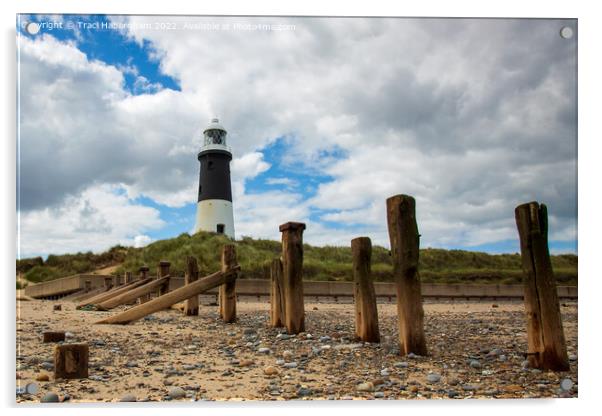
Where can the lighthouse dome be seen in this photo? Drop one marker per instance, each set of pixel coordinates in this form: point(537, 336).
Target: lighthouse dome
point(214, 125)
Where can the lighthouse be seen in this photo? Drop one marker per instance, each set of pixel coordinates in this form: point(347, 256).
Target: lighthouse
point(214, 207)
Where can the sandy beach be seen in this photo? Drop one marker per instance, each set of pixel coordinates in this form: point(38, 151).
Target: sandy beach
point(476, 350)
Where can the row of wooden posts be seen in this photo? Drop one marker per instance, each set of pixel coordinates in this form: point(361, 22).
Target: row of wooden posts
point(546, 343)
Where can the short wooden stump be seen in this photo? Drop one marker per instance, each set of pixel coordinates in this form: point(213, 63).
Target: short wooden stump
point(53, 336)
point(71, 361)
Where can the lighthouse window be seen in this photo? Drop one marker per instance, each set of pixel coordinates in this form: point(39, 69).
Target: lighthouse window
point(220, 228)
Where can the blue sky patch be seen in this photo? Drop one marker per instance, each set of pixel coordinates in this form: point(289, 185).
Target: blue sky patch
point(142, 75)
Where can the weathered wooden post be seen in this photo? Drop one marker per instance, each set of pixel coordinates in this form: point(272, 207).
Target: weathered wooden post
point(143, 275)
point(366, 312)
point(87, 286)
point(546, 342)
point(292, 276)
point(108, 283)
point(276, 294)
point(191, 305)
point(71, 361)
point(162, 271)
point(227, 291)
point(405, 241)
point(129, 277)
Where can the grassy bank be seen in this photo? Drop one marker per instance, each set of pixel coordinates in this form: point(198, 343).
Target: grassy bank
point(320, 263)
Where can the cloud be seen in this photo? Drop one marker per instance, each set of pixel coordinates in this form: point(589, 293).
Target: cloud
point(99, 217)
point(288, 182)
point(470, 116)
point(142, 240)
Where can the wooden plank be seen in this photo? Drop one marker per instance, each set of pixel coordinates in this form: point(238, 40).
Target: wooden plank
point(173, 297)
point(133, 294)
point(116, 291)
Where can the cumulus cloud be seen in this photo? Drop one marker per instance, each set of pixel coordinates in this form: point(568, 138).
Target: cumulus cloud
point(469, 116)
point(99, 217)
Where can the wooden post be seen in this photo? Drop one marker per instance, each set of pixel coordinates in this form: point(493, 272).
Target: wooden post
point(108, 283)
point(129, 277)
point(175, 296)
point(405, 241)
point(292, 276)
point(87, 286)
point(276, 294)
point(143, 275)
point(71, 361)
point(546, 342)
point(162, 271)
point(191, 305)
point(366, 312)
point(227, 291)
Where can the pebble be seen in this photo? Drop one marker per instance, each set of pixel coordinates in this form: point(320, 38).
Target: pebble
point(325, 338)
point(42, 377)
point(572, 357)
point(525, 364)
point(176, 393)
point(475, 364)
point(384, 372)
point(379, 395)
point(304, 392)
point(270, 370)
point(290, 365)
point(128, 398)
point(433, 378)
point(566, 384)
point(50, 397)
point(401, 364)
point(246, 363)
point(264, 350)
point(249, 331)
point(452, 393)
point(46, 365)
point(469, 387)
point(287, 355)
point(368, 386)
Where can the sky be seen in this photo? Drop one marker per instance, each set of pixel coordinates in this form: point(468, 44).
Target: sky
point(326, 118)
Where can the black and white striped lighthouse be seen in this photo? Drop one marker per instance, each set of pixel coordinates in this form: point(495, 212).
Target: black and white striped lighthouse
point(214, 207)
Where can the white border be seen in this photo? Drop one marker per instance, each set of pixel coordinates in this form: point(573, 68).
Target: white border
point(590, 376)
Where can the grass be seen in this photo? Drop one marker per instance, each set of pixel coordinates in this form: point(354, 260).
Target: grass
point(320, 263)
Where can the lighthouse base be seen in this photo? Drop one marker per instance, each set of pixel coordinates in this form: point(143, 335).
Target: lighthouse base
point(215, 215)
